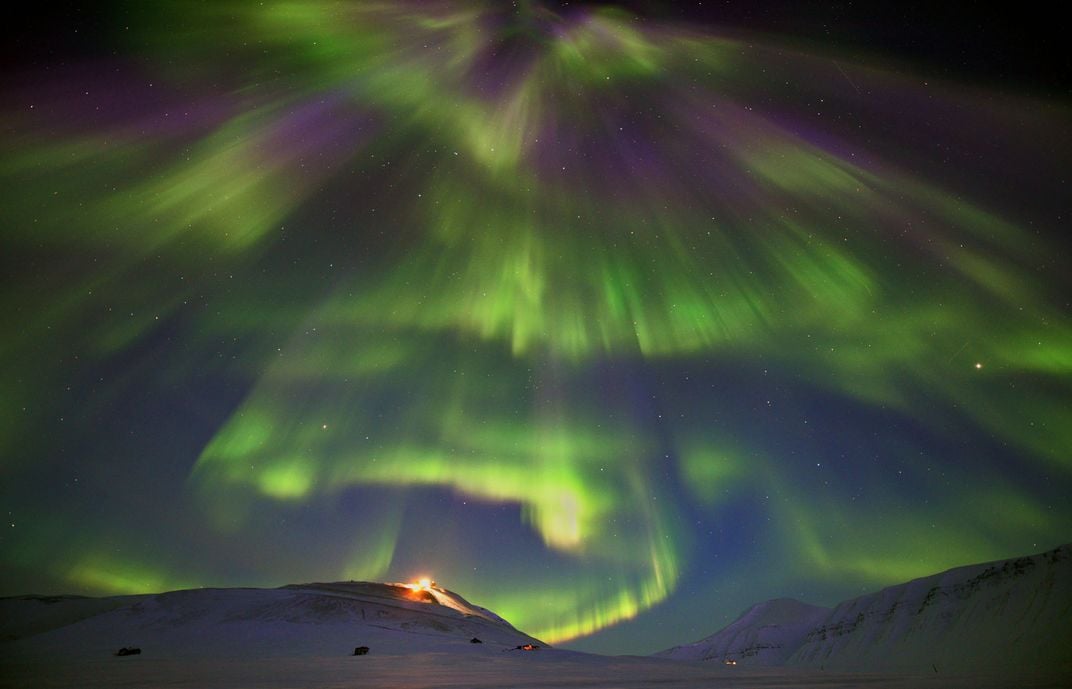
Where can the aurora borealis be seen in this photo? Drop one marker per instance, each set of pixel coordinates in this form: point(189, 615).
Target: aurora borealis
point(614, 325)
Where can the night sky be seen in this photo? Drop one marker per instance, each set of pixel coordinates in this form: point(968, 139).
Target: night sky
point(613, 319)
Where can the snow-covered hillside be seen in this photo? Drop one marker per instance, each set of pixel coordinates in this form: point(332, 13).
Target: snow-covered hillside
point(1012, 616)
point(293, 620)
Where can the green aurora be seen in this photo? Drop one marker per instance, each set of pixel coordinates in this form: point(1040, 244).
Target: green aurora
point(592, 319)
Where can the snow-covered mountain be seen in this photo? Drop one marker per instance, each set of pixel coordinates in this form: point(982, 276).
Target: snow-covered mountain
point(1011, 615)
point(293, 620)
point(765, 634)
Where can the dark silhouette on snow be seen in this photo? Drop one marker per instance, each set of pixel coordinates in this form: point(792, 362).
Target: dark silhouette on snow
point(361, 650)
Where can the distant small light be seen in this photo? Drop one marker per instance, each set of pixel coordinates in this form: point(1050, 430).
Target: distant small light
point(325, 427)
point(978, 365)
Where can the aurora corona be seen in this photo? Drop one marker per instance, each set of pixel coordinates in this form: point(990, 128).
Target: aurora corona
point(587, 316)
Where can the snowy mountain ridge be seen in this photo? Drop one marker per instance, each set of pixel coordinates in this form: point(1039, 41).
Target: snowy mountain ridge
point(979, 617)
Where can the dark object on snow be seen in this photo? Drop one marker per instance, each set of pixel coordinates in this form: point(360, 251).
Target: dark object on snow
point(475, 640)
point(124, 651)
point(361, 651)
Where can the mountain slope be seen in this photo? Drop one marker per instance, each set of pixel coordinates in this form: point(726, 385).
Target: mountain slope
point(293, 620)
point(765, 634)
point(1013, 612)
point(1010, 616)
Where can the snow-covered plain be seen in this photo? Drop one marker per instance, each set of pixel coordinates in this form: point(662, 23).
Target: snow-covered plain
point(459, 667)
point(304, 636)
point(475, 670)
